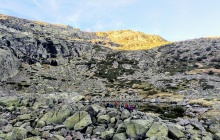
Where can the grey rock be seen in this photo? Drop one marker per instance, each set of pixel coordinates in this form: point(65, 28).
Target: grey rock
point(103, 119)
point(58, 127)
point(137, 129)
point(74, 119)
point(45, 134)
point(217, 136)
point(8, 128)
point(89, 130)
point(33, 138)
point(40, 124)
point(24, 117)
point(57, 116)
point(48, 127)
point(3, 122)
point(121, 128)
point(214, 128)
point(108, 134)
point(19, 134)
point(119, 136)
point(158, 130)
point(125, 114)
point(84, 122)
point(175, 132)
point(57, 137)
point(98, 130)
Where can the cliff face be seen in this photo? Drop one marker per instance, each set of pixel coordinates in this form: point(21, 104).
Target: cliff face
point(61, 58)
point(8, 65)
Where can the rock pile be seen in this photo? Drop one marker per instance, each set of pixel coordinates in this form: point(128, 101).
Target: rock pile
point(59, 117)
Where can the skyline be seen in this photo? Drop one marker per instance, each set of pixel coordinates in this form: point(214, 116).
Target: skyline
point(172, 20)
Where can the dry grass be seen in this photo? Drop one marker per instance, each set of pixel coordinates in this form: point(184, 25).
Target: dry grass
point(196, 71)
point(3, 17)
point(132, 40)
point(212, 114)
point(201, 102)
point(46, 24)
point(171, 96)
point(41, 23)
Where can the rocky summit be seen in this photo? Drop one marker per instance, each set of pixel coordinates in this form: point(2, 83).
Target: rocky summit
point(58, 82)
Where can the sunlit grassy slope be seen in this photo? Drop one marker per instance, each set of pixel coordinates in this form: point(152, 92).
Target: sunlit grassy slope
point(133, 40)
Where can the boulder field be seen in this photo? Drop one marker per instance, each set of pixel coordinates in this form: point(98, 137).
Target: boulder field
point(61, 117)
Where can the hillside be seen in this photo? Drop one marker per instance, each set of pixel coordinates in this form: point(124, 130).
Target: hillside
point(66, 48)
point(55, 81)
point(132, 40)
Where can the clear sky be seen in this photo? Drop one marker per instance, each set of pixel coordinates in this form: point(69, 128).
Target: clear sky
point(174, 20)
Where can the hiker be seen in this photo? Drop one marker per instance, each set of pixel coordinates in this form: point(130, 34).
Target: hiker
point(122, 106)
point(131, 108)
point(111, 105)
point(115, 104)
point(126, 105)
point(107, 105)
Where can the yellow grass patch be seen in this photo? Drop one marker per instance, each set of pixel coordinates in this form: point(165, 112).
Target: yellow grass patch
point(212, 114)
point(132, 40)
point(3, 17)
point(196, 71)
point(171, 96)
point(201, 102)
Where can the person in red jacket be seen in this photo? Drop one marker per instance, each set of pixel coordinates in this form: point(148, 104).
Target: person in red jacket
point(126, 105)
point(115, 104)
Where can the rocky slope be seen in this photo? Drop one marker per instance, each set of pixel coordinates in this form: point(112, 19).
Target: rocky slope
point(43, 60)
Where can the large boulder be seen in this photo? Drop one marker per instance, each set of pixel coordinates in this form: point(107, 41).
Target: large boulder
point(19, 134)
point(108, 134)
point(94, 109)
point(83, 123)
point(3, 122)
point(136, 129)
point(158, 130)
point(24, 117)
point(121, 128)
point(74, 119)
point(175, 132)
point(57, 116)
point(78, 121)
point(98, 130)
point(217, 136)
point(9, 101)
point(214, 128)
point(125, 114)
point(103, 119)
point(8, 65)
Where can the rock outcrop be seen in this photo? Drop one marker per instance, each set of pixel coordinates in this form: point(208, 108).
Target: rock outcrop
point(8, 65)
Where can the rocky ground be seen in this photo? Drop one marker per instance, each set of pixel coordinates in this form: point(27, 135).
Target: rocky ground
point(48, 72)
point(63, 116)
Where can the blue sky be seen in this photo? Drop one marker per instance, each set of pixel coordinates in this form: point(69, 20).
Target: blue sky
point(174, 20)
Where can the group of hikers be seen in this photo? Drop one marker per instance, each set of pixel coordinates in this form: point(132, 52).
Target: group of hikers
point(120, 106)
